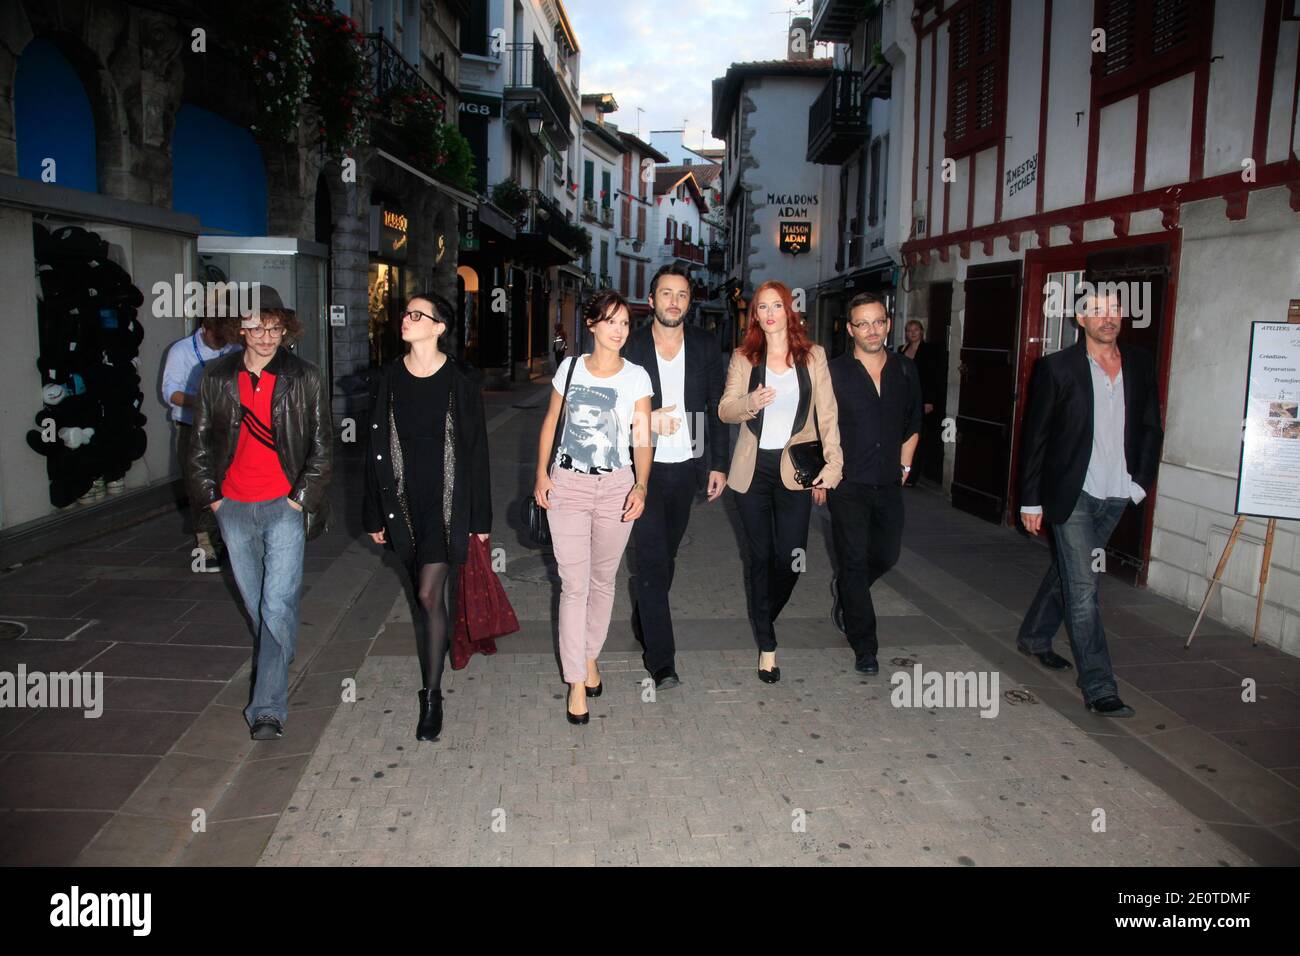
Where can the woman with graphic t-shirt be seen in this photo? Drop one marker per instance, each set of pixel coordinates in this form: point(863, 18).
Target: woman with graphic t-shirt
point(587, 486)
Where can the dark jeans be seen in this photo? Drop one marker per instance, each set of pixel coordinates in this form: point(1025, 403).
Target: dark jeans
point(775, 520)
point(1069, 594)
point(867, 528)
point(206, 533)
point(656, 536)
point(265, 542)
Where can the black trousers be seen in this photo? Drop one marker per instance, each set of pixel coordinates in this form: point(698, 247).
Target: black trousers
point(656, 535)
point(775, 520)
point(867, 528)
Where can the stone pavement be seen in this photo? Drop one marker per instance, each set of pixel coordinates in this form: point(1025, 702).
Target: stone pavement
point(714, 771)
point(819, 769)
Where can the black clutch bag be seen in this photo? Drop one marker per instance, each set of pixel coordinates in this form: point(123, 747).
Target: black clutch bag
point(807, 456)
point(808, 461)
point(536, 526)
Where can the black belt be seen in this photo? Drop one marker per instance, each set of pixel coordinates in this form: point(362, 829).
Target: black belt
point(569, 466)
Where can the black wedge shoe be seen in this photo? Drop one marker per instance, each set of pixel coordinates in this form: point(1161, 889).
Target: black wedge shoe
point(429, 725)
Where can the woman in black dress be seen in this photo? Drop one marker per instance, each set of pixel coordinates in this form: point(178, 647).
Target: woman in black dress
point(427, 483)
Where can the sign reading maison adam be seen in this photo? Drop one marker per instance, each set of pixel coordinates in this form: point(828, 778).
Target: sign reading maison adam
point(793, 205)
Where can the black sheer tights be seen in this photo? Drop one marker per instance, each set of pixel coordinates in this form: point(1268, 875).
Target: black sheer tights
point(432, 634)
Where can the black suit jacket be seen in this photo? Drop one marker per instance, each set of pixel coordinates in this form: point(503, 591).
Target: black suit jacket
point(1057, 443)
point(705, 377)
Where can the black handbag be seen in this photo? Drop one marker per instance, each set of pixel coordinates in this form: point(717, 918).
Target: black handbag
point(807, 456)
point(536, 526)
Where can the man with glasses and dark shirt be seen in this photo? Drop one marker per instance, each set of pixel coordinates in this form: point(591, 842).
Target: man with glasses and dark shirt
point(260, 458)
point(879, 397)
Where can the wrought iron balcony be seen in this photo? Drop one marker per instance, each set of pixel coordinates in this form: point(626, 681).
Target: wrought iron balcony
point(389, 71)
point(837, 119)
point(607, 216)
point(531, 80)
point(545, 236)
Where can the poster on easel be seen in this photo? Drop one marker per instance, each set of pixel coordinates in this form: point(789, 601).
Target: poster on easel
point(1268, 478)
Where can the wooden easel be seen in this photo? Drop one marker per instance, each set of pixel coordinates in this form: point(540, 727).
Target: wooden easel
point(1223, 563)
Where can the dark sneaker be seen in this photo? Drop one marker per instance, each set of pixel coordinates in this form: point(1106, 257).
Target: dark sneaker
point(837, 607)
point(867, 665)
point(1049, 659)
point(1110, 706)
point(666, 677)
point(267, 727)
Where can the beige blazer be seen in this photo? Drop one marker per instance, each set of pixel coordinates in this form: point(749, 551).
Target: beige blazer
point(736, 407)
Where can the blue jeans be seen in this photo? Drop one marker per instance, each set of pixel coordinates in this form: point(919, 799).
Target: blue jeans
point(265, 542)
point(1069, 594)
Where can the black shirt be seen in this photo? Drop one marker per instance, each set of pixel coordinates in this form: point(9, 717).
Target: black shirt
point(874, 426)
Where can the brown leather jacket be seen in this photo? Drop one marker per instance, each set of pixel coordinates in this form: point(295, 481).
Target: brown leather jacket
point(300, 422)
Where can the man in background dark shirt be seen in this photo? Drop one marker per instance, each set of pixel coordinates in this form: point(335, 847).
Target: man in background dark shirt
point(879, 397)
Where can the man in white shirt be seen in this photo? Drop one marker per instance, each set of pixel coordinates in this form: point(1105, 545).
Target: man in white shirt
point(182, 371)
point(687, 372)
point(1092, 434)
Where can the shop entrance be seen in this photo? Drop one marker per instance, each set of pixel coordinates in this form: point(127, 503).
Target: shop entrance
point(386, 299)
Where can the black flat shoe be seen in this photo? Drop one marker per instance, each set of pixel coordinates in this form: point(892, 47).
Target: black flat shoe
point(868, 665)
point(1049, 659)
point(1110, 706)
point(770, 677)
point(429, 726)
point(267, 727)
point(666, 677)
point(595, 691)
point(578, 719)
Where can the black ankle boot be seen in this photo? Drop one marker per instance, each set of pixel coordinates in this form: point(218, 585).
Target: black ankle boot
point(430, 723)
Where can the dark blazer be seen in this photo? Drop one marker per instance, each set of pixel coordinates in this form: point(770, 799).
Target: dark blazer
point(1057, 442)
point(469, 506)
point(300, 422)
point(705, 373)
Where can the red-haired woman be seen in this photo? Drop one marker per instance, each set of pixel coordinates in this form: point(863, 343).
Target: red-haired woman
point(779, 391)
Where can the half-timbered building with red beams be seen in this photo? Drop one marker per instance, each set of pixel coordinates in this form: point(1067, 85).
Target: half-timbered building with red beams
point(1146, 141)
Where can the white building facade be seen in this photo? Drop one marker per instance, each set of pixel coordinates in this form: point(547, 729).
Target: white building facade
point(1030, 156)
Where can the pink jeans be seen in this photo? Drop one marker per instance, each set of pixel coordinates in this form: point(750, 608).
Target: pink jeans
point(589, 537)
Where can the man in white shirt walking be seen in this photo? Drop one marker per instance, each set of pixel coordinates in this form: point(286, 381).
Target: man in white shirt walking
point(1092, 435)
point(182, 372)
point(688, 374)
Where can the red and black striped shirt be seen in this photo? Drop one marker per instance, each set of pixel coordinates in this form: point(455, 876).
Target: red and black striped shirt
point(256, 474)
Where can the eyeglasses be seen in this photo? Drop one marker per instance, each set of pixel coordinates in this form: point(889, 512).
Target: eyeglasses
point(415, 315)
point(876, 324)
point(274, 331)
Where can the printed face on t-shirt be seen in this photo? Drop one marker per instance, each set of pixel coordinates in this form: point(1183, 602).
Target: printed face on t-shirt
point(592, 427)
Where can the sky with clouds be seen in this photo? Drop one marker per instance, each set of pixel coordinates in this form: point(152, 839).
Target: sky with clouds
point(663, 55)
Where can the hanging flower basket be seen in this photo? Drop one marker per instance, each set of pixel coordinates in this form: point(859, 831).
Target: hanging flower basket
point(337, 78)
point(279, 59)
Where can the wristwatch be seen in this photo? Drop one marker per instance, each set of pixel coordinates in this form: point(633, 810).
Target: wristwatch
point(639, 485)
point(906, 470)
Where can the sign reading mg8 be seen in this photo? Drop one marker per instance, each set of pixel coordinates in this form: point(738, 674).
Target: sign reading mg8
point(796, 237)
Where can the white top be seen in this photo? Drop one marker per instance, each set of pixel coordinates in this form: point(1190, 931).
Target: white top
point(183, 369)
point(672, 384)
point(778, 418)
point(598, 420)
point(1108, 475)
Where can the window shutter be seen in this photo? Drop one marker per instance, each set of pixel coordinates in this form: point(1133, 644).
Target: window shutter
point(1147, 42)
point(976, 89)
point(640, 223)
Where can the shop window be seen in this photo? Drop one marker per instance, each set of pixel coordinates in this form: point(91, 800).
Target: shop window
point(53, 120)
point(977, 95)
point(1147, 41)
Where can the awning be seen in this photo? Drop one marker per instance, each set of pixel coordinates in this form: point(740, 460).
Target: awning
point(468, 200)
